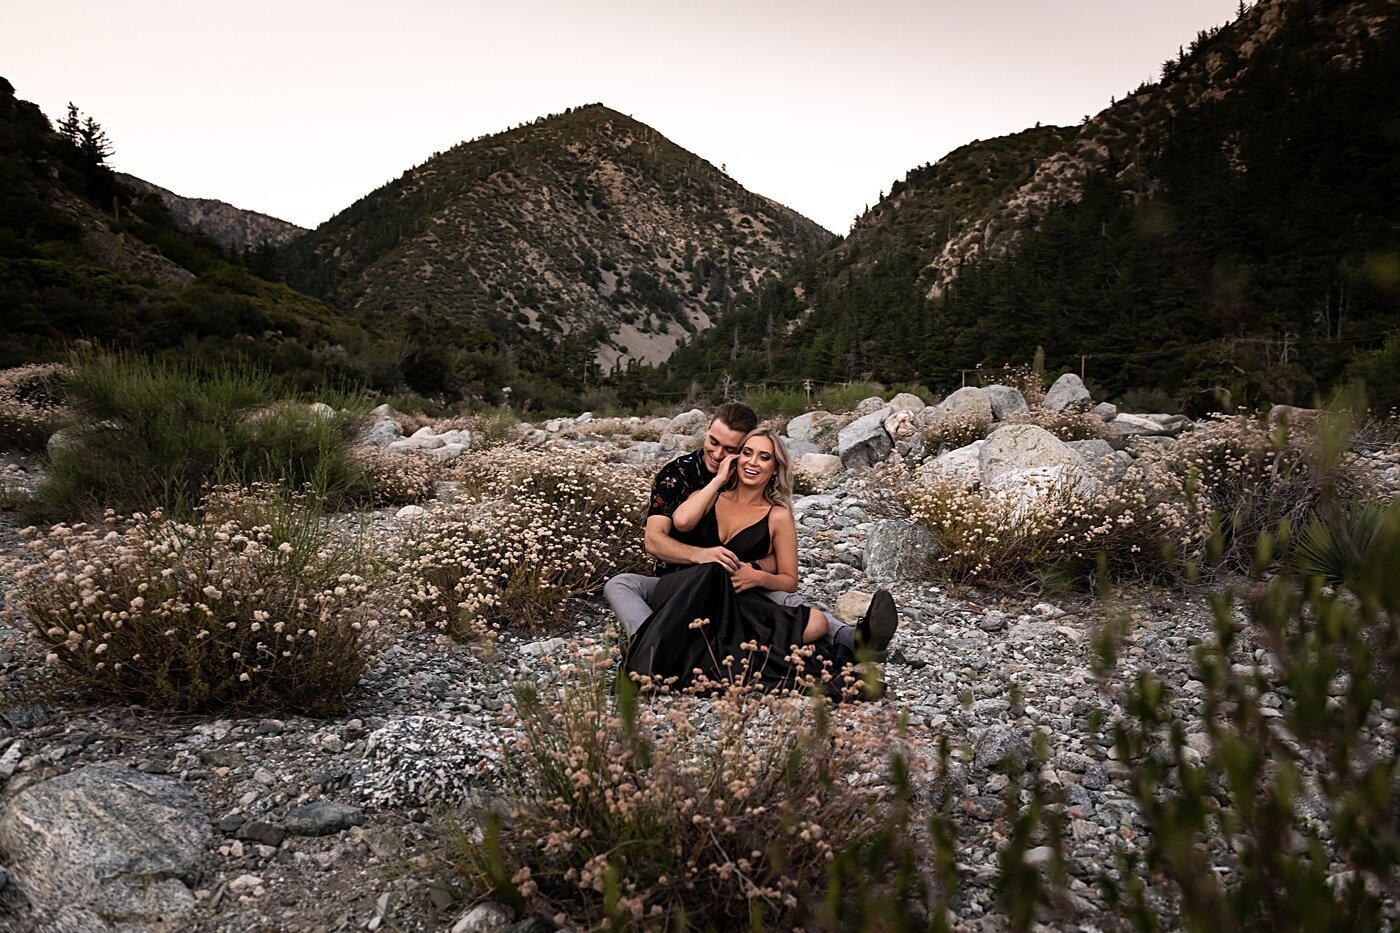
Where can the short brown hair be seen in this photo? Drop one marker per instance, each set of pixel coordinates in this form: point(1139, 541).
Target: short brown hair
point(737, 415)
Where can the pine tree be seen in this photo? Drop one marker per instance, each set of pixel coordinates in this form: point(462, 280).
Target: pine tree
point(71, 127)
point(93, 142)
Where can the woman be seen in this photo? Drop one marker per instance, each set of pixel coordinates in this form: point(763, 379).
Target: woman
point(711, 625)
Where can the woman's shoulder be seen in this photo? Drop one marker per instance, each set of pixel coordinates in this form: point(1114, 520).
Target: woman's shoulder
point(780, 513)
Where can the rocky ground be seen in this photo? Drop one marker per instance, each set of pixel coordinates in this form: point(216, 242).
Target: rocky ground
point(291, 823)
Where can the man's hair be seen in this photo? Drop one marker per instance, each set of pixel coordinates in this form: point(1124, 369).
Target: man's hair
point(737, 415)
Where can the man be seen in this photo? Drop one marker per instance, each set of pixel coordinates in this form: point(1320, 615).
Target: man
point(629, 594)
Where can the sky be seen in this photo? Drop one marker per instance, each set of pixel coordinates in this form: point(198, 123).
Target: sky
point(298, 108)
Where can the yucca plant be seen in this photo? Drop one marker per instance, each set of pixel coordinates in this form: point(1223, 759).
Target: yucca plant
point(1337, 543)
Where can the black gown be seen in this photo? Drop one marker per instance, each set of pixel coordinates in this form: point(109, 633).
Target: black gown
point(747, 637)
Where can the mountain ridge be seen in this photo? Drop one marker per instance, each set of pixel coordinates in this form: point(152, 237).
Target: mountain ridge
point(234, 228)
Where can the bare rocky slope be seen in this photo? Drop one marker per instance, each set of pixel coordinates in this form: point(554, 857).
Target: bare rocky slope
point(231, 227)
point(586, 222)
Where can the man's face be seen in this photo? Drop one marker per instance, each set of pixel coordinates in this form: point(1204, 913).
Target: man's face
point(720, 441)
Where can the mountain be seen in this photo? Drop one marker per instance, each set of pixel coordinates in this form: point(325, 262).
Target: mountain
point(586, 227)
point(233, 228)
point(1224, 236)
point(83, 257)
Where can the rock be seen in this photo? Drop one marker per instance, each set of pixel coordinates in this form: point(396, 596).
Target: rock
point(489, 917)
point(898, 551)
point(820, 466)
point(418, 441)
point(968, 405)
point(799, 449)
point(906, 401)
point(869, 405)
point(267, 834)
point(851, 605)
point(1126, 425)
point(383, 411)
point(1068, 394)
point(1000, 743)
point(106, 845)
point(684, 442)
point(4, 878)
point(690, 423)
point(322, 410)
point(642, 453)
point(382, 433)
point(1040, 855)
point(899, 424)
point(411, 511)
point(1014, 448)
point(864, 442)
point(447, 452)
point(1105, 410)
point(322, 818)
point(1300, 419)
point(804, 427)
point(1005, 401)
point(10, 761)
point(545, 648)
point(962, 466)
point(1101, 457)
point(422, 761)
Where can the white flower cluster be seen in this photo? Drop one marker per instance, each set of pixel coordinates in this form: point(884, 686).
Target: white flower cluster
point(29, 412)
point(395, 478)
point(532, 531)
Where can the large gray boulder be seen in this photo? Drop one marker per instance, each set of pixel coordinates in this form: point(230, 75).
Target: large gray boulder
point(970, 404)
point(799, 449)
point(1005, 401)
point(864, 442)
point(896, 550)
point(1126, 425)
point(382, 433)
point(962, 467)
point(804, 426)
point(820, 466)
point(1068, 394)
point(1013, 448)
point(906, 401)
point(866, 405)
point(689, 423)
point(106, 847)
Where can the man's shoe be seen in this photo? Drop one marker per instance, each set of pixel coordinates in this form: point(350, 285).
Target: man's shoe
point(877, 626)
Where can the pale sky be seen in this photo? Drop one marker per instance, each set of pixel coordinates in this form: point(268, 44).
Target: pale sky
point(298, 108)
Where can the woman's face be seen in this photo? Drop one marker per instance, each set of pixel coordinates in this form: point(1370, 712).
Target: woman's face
point(757, 464)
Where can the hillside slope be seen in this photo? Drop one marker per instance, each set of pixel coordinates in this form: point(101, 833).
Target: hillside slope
point(233, 228)
point(586, 224)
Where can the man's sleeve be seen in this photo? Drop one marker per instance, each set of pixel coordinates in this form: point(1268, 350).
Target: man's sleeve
point(667, 493)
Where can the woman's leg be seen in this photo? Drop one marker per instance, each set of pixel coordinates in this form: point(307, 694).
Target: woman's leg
point(816, 626)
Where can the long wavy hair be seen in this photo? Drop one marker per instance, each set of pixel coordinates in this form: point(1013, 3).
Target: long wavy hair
point(779, 488)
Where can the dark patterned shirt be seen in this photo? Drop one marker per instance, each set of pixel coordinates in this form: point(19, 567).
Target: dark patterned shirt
point(673, 485)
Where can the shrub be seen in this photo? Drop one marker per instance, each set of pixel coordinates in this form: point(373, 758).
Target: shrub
point(533, 531)
point(1338, 544)
point(154, 435)
point(845, 397)
point(727, 812)
point(951, 432)
point(1287, 817)
point(1066, 425)
point(254, 603)
point(1058, 526)
point(31, 405)
point(392, 478)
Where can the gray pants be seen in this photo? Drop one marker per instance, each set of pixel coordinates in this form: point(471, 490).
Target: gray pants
point(629, 594)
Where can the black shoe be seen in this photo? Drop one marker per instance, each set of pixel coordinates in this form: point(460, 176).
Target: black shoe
point(877, 626)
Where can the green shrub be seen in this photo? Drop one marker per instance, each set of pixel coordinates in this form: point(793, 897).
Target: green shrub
point(728, 812)
point(154, 435)
point(532, 531)
point(1066, 425)
point(254, 603)
point(1337, 544)
point(845, 397)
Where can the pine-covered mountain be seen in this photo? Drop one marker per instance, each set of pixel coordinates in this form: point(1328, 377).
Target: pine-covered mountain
point(1226, 235)
point(585, 228)
point(235, 229)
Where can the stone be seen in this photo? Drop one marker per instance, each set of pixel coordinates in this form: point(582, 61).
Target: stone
point(970, 405)
point(266, 834)
point(804, 426)
point(383, 411)
point(321, 410)
point(869, 405)
point(999, 744)
point(690, 423)
point(322, 818)
point(1005, 401)
point(682, 442)
point(1126, 425)
point(1100, 456)
point(898, 551)
point(820, 466)
point(411, 511)
point(800, 449)
point(106, 845)
point(447, 452)
point(488, 917)
point(409, 444)
point(1068, 394)
point(962, 466)
point(1040, 855)
point(906, 401)
point(10, 761)
point(642, 453)
point(1105, 410)
point(421, 761)
point(4, 878)
point(1298, 419)
point(1013, 448)
point(851, 605)
point(864, 442)
point(382, 433)
point(899, 424)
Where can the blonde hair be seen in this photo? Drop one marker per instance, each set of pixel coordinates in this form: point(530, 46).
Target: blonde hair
point(779, 488)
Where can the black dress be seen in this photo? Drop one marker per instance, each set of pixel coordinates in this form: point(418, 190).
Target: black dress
point(746, 638)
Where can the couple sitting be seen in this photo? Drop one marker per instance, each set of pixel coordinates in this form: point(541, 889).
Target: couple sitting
point(723, 605)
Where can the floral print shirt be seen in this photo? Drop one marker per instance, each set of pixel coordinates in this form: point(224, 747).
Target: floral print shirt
point(673, 485)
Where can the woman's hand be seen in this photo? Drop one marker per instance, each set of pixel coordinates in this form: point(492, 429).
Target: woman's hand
point(747, 578)
point(726, 470)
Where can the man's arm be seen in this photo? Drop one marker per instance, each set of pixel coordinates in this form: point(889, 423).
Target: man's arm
point(662, 546)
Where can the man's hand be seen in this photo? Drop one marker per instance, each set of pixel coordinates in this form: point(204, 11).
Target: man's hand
point(719, 555)
point(746, 578)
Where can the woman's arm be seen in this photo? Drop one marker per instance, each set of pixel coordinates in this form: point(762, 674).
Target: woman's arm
point(784, 535)
point(689, 512)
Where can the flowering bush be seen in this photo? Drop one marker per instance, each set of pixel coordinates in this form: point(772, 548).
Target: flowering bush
point(952, 432)
point(1066, 425)
point(392, 478)
point(253, 603)
point(732, 809)
point(533, 530)
point(1141, 526)
point(30, 409)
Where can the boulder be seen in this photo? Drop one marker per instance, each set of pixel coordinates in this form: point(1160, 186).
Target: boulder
point(804, 426)
point(1105, 410)
point(447, 452)
point(106, 847)
point(689, 423)
point(642, 453)
point(489, 917)
point(906, 401)
point(970, 404)
point(820, 466)
point(322, 818)
point(322, 410)
point(1005, 401)
point(864, 442)
point(962, 466)
point(681, 442)
point(382, 433)
point(898, 550)
point(383, 411)
point(899, 424)
point(851, 606)
point(1100, 456)
point(1126, 425)
point(867, 405)
point(418, 441)
point(799, 449)
point(998, 744)
point(1068, 394)
point(1013, 448)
